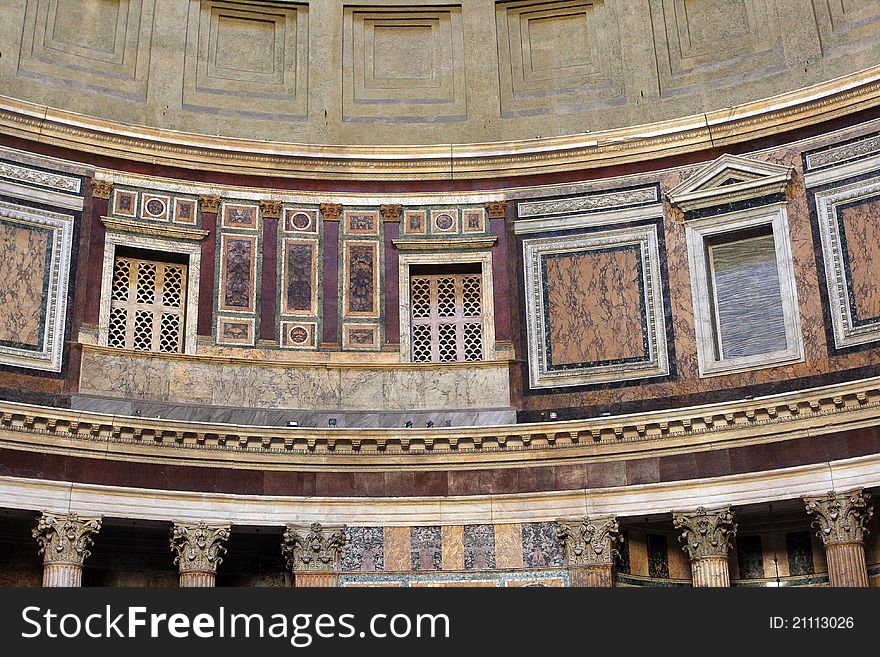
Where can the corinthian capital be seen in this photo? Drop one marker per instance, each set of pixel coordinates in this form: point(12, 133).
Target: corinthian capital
point(199, 548)
point(313, 549)
point(101, 188)
point(65, 539)
point(391, 212)
point(331, 211)
point(705, 533)
point(840, 517)
point(589, 542)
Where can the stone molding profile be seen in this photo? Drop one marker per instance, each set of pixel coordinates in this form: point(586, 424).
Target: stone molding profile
point(65, 539)
point(313, 548)
point(840, 517)
point(199, 548)
point(705, 533)
point(589, 542)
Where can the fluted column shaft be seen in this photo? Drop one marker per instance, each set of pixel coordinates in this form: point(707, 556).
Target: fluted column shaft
point(710, 571)
point(839, 520)
point(197, 580)
point(706, 535)
point(600, 575)
point(62, 574)
point(315, 580)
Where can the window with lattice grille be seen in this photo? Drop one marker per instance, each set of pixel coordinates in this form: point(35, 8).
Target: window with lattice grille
point(147, 304)
point(447, 318)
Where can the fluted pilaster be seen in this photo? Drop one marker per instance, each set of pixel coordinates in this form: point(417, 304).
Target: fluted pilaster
point(590, 549)
point(64, 544)
point(312, 553)
point(840, 521)
point(199, 550)
point(706, 536)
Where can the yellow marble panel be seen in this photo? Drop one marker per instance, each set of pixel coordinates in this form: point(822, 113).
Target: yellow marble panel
point(508, 546)
point(398, 549)
point(452, 538)
point(638, 554)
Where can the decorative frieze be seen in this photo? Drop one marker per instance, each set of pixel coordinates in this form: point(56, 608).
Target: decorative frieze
point(840, 517)
point(199, 548)
point(589, 542)
point(705, 533)
point(596, 202)
point(315, 548)
point(65, 539)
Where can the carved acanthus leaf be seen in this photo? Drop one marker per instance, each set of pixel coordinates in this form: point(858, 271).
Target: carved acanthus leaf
point(840, 517)
point(316, 548)
point(589, 542)
point(65, 539)
point(199, 548)
point(705, 533)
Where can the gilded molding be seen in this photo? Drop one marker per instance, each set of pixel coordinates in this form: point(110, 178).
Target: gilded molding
point(787, 111)
point(271, 209)
point(455, 244)
point(315, 548)
point(589, 542)
point(705, 533)
point(496, 209)
point(391, 212)
point(102, 189)
point(840, 517)
point(210, 203)
point(331, 211)
point(65, 539)
point(167, 232)
point(199, 548)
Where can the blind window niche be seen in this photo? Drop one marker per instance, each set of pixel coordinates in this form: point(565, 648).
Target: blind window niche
point(748, 317)
point(744, 292)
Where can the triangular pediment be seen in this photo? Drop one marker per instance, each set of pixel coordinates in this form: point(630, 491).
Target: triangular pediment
point(730, 179)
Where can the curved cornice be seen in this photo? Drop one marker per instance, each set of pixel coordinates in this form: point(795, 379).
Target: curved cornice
point(788, 111)
point(768, 419)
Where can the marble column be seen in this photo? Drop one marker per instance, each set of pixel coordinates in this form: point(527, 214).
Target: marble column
point(706, 535)
point(64, 544)
point(839, 520)
point(198, 549)
point(590, 549)
point(312, 553)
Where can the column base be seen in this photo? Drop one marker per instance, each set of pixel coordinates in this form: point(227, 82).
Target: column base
point(600, 575)
point(62, 574)
point(846, 564)
point(197, 580)
point(710, 571)
point(315, 580)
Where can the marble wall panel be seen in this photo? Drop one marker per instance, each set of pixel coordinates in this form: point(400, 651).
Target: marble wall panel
point(24, 270)
point(509, 546)
point(364, 550)
point(426, 548)
point(452, 547)
point(595, 307)
point(540, 546)
point(398, 548)
point(238, 273)
point(479, 547)
point(860, 223)
point(299, 293)
point(34, 273)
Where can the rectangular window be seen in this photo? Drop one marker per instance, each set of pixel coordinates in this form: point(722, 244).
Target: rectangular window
point(745, 298)
point(446, 317)
point(147, 305)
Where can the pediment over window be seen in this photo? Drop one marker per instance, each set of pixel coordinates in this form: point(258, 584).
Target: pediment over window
point(730, 179)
